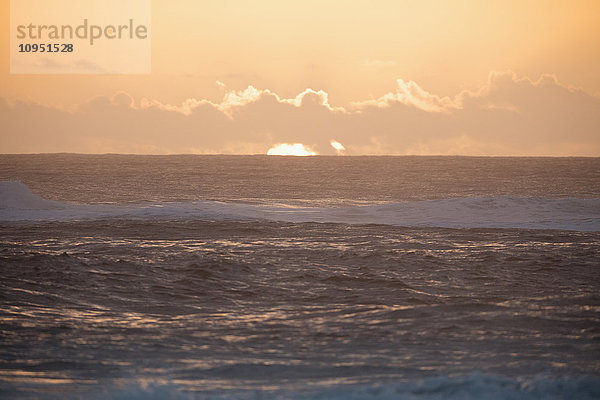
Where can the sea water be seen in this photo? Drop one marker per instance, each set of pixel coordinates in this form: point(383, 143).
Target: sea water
point(255, 277)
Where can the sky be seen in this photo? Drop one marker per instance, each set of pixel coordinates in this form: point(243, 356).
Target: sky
point(375, 77)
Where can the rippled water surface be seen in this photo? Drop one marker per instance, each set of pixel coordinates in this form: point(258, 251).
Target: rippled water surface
point(233, 304)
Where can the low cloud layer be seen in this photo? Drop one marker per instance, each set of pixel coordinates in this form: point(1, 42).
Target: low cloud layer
point(510, 115)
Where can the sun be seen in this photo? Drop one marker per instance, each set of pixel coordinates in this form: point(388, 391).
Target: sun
point(291, 149)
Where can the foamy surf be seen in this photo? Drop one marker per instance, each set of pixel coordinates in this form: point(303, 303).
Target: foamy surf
point(472, 387)
point(18, 203)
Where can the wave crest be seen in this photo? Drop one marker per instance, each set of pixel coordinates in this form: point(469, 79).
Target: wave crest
point(18, 203)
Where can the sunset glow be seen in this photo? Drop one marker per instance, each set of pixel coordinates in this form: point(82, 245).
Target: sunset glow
point(337, 146)
point(238, 77)
point(289, 149)
point(267, 199)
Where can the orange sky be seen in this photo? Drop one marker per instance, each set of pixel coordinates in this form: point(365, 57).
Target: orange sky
point(351, 52)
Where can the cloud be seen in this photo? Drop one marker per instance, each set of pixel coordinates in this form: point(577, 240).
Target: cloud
point(509, 115)
point(411, 94)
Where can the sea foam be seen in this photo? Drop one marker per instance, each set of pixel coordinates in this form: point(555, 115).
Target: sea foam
point(18, 203)
point(471, 387)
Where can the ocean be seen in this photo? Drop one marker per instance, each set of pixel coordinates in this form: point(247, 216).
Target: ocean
point(265, 277)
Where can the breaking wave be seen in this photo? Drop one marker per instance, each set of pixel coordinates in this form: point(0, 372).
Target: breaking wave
point(18, 203)
point(472, 387)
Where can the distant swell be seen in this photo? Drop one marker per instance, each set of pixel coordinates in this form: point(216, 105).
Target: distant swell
point(18, 203)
